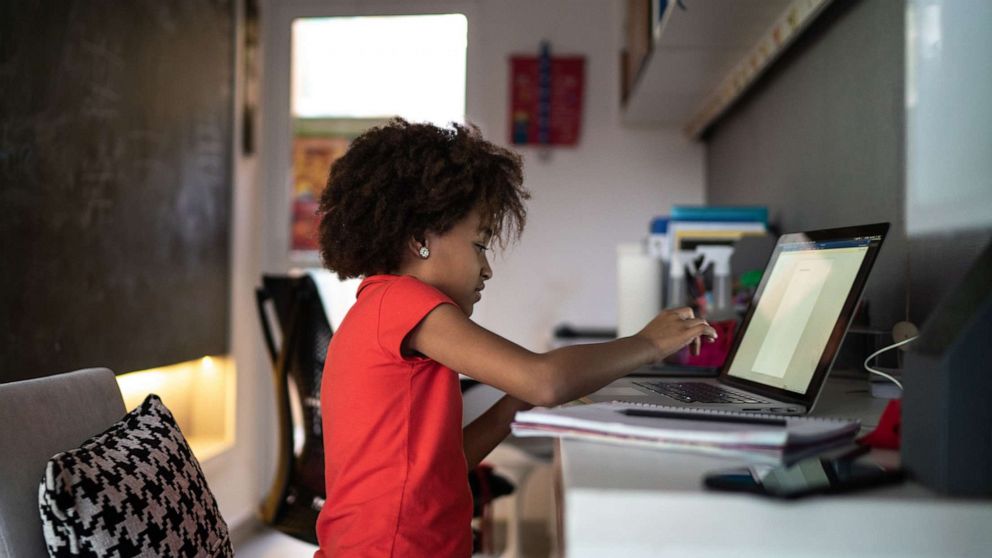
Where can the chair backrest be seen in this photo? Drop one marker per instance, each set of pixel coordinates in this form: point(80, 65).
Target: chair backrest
point(299, 317)
point(38, 419)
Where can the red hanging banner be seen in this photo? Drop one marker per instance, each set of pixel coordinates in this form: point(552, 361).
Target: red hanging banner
point(546, 99)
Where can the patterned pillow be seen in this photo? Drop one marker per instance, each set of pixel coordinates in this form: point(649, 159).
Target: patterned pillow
point(135, 489)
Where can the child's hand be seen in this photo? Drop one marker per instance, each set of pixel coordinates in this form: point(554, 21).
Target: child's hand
point(673, 329)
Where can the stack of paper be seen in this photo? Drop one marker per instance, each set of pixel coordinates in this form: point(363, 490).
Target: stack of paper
point(703, 431)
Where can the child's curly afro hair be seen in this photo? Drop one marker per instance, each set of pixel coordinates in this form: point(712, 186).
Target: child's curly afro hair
point(401, 180)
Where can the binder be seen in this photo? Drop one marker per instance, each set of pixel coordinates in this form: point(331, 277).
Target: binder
point(756, 213)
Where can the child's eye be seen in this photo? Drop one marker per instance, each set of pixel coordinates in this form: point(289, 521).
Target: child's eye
point(481, 247)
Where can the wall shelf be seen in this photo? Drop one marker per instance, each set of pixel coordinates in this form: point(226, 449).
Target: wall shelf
point(704, 57)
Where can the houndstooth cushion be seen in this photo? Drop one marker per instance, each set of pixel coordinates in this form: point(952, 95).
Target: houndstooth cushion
point(134, 490)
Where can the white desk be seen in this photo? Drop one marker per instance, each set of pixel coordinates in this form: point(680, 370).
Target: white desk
point(627, 501)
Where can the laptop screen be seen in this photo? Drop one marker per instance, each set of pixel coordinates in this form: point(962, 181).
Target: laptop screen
point(802, 308)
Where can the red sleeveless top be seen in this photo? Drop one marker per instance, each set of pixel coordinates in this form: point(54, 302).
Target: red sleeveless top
point(395, 469)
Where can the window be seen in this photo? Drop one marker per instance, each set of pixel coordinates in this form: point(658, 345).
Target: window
point(352, 73)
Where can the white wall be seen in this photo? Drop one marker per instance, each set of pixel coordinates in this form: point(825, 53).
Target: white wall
point(586, 199)
point(240, 477)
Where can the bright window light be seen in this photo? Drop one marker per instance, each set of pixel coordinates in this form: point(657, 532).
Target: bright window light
point(375, 67)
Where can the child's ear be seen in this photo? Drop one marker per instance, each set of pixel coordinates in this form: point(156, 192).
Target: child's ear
point(418, 247)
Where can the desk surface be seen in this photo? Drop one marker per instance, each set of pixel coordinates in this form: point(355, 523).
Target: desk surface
point(631, 501)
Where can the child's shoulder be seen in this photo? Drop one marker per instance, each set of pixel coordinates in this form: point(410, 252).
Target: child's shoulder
point(400, 288)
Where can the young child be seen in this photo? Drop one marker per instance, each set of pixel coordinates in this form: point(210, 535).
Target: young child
point(414, 209)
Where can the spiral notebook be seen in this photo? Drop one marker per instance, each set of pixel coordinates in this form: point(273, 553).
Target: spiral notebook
point(760, 437)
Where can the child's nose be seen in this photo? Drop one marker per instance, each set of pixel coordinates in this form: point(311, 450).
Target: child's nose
point(487, 272)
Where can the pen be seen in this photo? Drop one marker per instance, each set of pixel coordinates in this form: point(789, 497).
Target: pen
point(764, 421)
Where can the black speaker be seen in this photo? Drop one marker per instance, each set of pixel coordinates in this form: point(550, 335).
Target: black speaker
point(947, 395)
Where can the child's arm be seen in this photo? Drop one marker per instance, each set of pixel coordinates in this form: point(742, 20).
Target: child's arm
point(490, 428)
point(548, 379)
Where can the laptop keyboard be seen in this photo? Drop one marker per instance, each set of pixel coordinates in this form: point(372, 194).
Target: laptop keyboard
point(697, 392)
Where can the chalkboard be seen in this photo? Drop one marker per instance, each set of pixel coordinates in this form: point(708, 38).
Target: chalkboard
point(115, 183)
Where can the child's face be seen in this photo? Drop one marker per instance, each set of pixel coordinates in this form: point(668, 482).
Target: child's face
point(458, 264)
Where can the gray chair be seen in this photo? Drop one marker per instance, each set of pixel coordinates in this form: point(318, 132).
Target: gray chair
point(39, 418)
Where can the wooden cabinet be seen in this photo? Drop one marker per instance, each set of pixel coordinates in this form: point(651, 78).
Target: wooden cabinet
point(637, 45)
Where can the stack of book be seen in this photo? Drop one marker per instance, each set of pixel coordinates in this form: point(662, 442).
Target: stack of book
point(691, 226)
point(755, 437)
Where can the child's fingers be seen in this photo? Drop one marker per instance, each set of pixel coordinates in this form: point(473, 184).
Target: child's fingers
point(710, 333)
point(699, 326)
point(697, 329)
point(684, 313)
point(678, 328)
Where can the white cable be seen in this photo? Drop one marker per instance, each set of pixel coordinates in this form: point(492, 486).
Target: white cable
point(882, 350)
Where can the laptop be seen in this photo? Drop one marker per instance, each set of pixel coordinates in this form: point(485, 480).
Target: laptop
point(790, 336)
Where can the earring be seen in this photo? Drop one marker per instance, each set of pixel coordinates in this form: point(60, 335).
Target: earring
point(424, 252)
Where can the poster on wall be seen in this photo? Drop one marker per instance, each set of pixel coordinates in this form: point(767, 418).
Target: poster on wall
point(317, 143)
point(312, 158)
point(546, 99)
